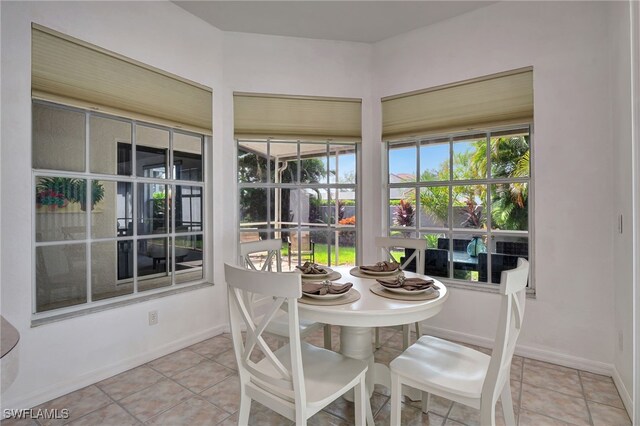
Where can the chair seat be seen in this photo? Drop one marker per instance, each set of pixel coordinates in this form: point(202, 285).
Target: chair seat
point(444, 366)
point(280, 327)
point(325, 372)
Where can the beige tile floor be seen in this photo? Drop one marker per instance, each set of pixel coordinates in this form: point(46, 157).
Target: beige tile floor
point(198, 385)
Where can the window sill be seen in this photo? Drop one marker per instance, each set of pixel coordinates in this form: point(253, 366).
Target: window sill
point(483, 287)
point(36, 322)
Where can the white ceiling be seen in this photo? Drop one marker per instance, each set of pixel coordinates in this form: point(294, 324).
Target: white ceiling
point(360, 21)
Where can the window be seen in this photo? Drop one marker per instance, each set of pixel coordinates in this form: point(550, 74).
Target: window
point(303, 193)
point(118, 207)
point(468, 195)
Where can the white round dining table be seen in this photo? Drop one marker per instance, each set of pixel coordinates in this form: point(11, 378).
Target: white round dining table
point(358, 319)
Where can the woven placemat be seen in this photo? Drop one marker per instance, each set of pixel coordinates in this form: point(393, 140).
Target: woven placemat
point(357, 273)
point(351, 296)
point(334, 275)
point(378, 289)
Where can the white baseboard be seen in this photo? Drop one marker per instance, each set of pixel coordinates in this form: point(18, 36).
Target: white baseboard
point(525, 351)
point(74, 383)
point(623, 391)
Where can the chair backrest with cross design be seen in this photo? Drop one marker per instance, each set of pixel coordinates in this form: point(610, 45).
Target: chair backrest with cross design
point(418, 245)
point(272, 250)
point(268, 382)
point(513, 288)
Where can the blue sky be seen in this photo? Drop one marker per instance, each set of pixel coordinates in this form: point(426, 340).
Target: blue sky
point(403, 160)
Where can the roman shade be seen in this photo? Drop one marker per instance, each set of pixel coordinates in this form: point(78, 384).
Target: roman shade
point(263, 116)
point(500, 99)
point(70, 71)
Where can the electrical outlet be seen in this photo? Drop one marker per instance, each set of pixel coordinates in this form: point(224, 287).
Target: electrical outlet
point(153, 317)
point(620, 341)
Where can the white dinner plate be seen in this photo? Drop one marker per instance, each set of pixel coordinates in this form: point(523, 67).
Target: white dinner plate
point(329, 272)
point(403, 291)
point(325, 296)
point(379, 274)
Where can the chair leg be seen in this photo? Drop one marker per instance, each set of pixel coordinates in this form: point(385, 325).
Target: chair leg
point(426, 399)
point(396, 397)
point(377, 338)
point(245, 409)
point(507, 404)
point(405, 336)
point(359, 401)
point(327, 336)
point(418, 333)
point(488, 413)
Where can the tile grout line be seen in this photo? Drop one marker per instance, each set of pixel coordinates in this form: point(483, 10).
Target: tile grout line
point(183, 401)
point(446, 416)
point(121, 406)
point(552, 389)
point(605, 403)
point(216, 405)
point(172, 380)
point(128, 395)
point(101, 407)
point(517, 415)
point(584, 396)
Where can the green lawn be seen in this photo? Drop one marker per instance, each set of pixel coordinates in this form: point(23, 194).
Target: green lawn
point(347, 255)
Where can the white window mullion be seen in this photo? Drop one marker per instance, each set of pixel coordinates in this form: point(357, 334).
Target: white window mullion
point(136, 220)
point(450, 209)
point(172, 191)
point(87, 203)
point(488, 209)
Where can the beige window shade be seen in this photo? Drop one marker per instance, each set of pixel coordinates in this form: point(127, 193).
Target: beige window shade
point(260, 116)
point(505, 98)
point(70, 71)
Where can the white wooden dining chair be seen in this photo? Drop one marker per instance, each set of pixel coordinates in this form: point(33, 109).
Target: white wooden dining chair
point(299, 379)
point(272, 252)
point(419, 247)
point(463, 374)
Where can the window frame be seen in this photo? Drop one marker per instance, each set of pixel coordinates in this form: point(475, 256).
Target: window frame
point(268, 185)
point(450, 230)
point(135, 296)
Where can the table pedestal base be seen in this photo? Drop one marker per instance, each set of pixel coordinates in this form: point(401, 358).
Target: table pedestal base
point(356, 342)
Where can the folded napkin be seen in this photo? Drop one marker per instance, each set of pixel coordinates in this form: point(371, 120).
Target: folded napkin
point(312, 268)
point(409, 284)
point(322, 289)
point(381, 267)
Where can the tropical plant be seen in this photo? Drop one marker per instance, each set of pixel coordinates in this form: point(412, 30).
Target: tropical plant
point(70, 189)
point(97, 193)
point(404, 214)
point(159, 203)
point(509, 158)
point(473, 215)
point(432, 240)
point(49, 197)
point(509, 202)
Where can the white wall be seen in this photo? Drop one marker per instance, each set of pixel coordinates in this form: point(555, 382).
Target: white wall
point(63, 356)
point(571, 319)
point(621, 116)
point(635, 79)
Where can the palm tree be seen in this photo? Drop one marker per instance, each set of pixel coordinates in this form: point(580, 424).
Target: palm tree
point(509, 208)
point(509, 159)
